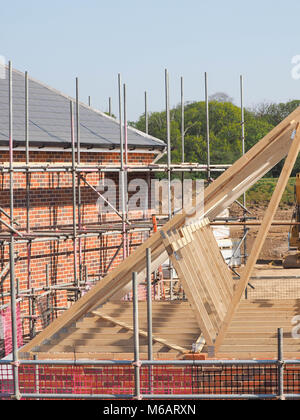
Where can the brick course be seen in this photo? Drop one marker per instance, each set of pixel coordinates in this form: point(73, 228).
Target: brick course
point(50, 208)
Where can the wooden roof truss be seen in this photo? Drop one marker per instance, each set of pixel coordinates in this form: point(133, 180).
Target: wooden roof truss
point(207, 281)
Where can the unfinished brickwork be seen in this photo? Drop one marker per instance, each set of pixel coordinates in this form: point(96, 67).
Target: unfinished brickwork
point(50, 208)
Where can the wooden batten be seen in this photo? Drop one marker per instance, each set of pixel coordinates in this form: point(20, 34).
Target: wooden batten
point(193, 249)
point(262, 234)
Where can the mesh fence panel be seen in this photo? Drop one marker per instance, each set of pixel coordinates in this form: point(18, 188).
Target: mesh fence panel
point(285, 288)
point(6, 330)
point(213, 380)
point(6, 381)
point(165, 380)
point(292, 379)
point(77, 380)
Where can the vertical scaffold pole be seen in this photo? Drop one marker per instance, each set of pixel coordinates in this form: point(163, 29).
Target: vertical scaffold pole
point(74, 196)
point(149, 302)
point(182, 139)
point(243, 152)
point(167, 94)
point(125, 125)
point(147, 132)
point(12, 243)
point(207, 127)
point(109, 107)
point(280, 364)
point(79, 278)
point(77, 121)
point(27, 151)
point(122, 172)
point(50, 316)
point(182, 119)
point(149, 314)
point(137, 365)
point(126, 163)
point(146, 114)
point(30, 303)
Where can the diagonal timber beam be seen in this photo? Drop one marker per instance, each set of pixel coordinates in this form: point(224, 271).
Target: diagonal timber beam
point(141, 332)
point(248, 169)
point(218, 195)
point(155, 264)
point(111, 284)
point(262, 234)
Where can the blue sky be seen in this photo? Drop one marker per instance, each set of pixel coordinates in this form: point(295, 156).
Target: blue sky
point(95, 40)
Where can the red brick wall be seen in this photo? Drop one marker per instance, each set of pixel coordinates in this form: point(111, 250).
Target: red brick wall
point(166, 380)
point(51, 207)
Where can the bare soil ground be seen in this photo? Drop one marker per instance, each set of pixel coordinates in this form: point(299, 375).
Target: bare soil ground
point(276, 244)
point(269, 279)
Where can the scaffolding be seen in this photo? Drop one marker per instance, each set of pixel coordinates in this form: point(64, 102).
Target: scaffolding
point(44, 295)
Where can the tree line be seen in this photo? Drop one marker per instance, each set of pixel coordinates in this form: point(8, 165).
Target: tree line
point(225, 129)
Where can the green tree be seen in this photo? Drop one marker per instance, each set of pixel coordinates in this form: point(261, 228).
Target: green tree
point(225, 129)
point(275, 113)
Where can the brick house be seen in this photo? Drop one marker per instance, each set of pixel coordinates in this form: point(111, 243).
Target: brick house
point(43, 196)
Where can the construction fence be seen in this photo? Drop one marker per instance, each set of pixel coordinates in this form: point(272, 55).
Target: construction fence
point(6, 344)
point(151, 380)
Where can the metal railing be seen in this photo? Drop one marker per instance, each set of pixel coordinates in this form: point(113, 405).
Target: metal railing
point(152, 379)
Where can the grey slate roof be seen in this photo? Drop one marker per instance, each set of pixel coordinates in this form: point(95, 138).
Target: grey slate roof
point(49, 119)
